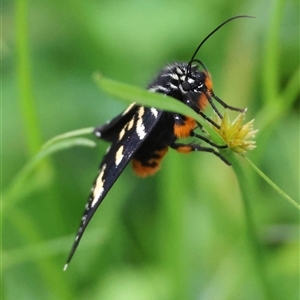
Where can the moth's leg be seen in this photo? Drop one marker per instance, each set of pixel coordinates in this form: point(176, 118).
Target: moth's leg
point(206, 140)
point(187, 148)
point(189, 102)
point(204, 116)
point(225, 105)
point(183, 127)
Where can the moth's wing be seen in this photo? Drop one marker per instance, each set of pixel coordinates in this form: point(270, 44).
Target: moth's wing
point(130, 138)
point(110, 131)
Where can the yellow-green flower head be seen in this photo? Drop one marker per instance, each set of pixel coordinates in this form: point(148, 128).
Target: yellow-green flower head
point(237, 136)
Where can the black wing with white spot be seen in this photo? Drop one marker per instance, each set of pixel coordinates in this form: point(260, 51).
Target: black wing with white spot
point(127, 141)
point(110, 131)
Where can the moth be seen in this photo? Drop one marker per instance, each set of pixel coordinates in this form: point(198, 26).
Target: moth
point(143, 135)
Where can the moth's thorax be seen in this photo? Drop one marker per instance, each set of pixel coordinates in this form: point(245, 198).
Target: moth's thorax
point(183, 83)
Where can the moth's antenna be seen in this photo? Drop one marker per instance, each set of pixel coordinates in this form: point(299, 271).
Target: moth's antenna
point(209, 35)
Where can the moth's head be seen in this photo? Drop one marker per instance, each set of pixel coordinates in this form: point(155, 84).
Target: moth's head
point(195, 84)
point(189, 82)
point(196, 77)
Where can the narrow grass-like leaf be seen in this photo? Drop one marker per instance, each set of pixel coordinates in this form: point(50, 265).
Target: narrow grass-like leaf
point(272, 112)
point(26, 99)
point(245, 181)
point(67, 135)
point(270, 66)
point(272, 184)
point(292, 90)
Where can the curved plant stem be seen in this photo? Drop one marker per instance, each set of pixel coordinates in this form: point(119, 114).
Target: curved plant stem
point(245, 182)
point(272, 184)
point(27, 103)
point(18, 184)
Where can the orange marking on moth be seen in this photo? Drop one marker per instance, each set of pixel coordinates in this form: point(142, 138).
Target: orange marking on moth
point(144, 171)
point(208, 82)
point(202, 101)
point(184, 130)
point(184, 149)
point(153, 164)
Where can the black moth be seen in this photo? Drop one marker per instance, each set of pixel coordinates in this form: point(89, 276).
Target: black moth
point(144, 134)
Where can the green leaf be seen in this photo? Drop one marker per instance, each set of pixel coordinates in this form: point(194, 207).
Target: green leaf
point(67, 135)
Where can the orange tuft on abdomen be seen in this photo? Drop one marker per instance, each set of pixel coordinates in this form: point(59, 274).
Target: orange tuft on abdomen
point(151, 166)
point(184, 130)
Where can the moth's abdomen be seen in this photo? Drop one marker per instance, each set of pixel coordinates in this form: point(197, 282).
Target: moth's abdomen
point(150, 165)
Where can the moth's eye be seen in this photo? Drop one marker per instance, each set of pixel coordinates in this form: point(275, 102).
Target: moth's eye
point(186, 86)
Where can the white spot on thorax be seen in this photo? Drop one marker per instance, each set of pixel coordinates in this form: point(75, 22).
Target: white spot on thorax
point(179, 71)
point(159, 88)
point(172, 86)
point(190, 80)
point(183, 78)
point(182, 90)
point(174, 76)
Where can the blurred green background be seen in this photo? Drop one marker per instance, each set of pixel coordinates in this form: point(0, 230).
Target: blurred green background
point(181, 234)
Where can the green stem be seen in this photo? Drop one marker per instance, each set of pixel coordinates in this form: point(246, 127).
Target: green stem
point(67, 135)
point(172, 250)
point(271, 57)
point(18, 184)
point(272, 184)
point(27, 104)
point(245, 181)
